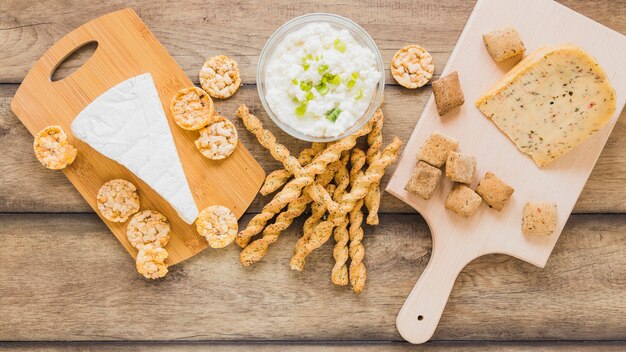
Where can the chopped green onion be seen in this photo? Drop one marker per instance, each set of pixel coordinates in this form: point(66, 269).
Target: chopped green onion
point(317, 58)
point(360, 95)
point(322, 88)
point(306, 86)
point(328, 77)
point(339, 45)
point(336, 80)
point(333, 114)
point(295, 100)
point(301, 110)
point(306, 66)
point(322, 68)
point(308, 57)
point(294, 81)
point(309, 96)
point(351, 83)
point(355, 74)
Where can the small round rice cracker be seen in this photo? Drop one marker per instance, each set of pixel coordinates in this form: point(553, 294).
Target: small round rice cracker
point(219, 76)
point(412, 66)
point(192, 108)
point(218, 225)
point(151, 262)
point(117, 200)
point(52, 149)
point(218, 140)
point(148, 227)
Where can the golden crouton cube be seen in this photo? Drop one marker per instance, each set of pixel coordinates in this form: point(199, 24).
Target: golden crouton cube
point(504, 43)
point(493, 191)
point(463, 201)
point(424, 181)
point(460, 167)
point(539, 218)
point(436, 149)
point(448, 93)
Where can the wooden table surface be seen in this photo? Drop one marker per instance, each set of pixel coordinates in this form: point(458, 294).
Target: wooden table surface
point(66, 283)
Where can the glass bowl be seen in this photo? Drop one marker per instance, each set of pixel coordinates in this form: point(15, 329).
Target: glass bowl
point(338, 22)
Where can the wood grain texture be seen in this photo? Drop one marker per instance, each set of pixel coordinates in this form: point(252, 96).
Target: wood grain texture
point(240, 28)
point(25, 186)
point(546, 346)
point(95, 294)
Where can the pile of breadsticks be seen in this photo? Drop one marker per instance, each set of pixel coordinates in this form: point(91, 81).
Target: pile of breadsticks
point(337, 179)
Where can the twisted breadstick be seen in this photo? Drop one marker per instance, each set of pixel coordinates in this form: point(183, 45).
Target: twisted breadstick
point(375, 141)
point(358, 272)
point(339, 275)
point(357, 251)
point(304, 176)
point(319, 195)
point(256, 250)
point(323, 230)
point(318, 210)
point(342, 177)
point(267, 140)
point(278, 178)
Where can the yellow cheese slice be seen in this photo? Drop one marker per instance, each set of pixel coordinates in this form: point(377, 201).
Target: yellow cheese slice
point(550, 102)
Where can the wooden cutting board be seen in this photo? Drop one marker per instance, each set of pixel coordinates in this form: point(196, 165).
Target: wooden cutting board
point(127, 48)
point(456, 240)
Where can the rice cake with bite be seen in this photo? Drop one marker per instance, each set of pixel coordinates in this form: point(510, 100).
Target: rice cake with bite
point(150, 262)
point(52, 149)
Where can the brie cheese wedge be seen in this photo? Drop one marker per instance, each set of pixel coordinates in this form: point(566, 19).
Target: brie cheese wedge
point(128, 125)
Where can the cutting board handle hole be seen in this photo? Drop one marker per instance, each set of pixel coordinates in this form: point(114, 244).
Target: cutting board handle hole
point(420, 317)
point(73, 61)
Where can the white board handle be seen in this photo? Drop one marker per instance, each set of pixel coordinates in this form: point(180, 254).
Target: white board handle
point(420, 314)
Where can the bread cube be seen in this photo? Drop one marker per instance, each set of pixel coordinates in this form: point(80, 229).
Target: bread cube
point(424, 181)
point(460, 167)
point(463, 201)
point(493, 191)
point(436, 149)
point(539, 218)
point(448, 93)
point(504, 43)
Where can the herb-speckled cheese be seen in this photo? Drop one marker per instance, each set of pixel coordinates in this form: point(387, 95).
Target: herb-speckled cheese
point(552, 101)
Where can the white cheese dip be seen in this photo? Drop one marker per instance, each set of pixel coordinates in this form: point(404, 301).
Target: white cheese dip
point(320, 80)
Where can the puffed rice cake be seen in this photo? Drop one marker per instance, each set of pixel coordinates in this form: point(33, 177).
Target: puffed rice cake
point(117, 200)
point(52, 149)
point(148, 227)
point(218, 140)
point(151, 262)
point(412, 66)
point(219, 77)
point(192, 108)
point(218, 225)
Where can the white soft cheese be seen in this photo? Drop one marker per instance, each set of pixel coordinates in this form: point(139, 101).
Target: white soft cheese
point(127, 124)
point(302, 58)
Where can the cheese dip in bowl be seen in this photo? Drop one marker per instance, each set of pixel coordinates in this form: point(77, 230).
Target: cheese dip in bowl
point(320, 77)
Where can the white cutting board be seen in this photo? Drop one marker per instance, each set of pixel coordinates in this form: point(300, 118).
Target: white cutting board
point(457, 240)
